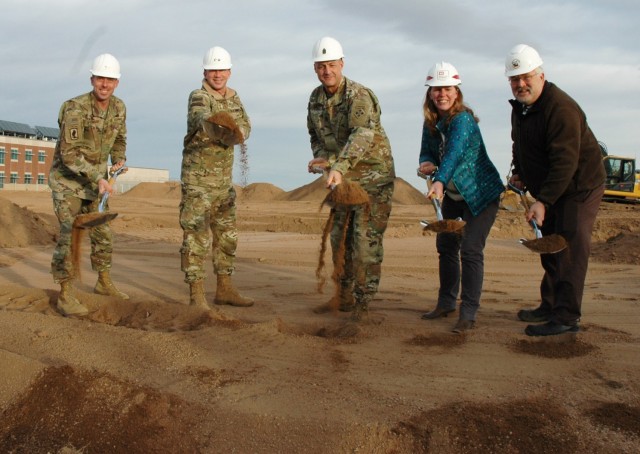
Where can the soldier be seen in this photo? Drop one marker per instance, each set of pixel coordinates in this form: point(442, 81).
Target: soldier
point(348, 140)
point(208, 206)
point(92, 130)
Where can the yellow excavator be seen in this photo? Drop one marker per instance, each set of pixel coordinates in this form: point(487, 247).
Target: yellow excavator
point(623, 178)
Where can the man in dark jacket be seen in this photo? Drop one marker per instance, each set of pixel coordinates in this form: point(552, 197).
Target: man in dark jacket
point(556, 157)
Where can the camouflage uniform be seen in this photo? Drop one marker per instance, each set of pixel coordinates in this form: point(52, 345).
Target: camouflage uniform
point(345, 130)
point(208, 196)
point(88, 138)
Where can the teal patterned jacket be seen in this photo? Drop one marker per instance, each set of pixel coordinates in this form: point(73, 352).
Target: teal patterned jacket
point(461, 156)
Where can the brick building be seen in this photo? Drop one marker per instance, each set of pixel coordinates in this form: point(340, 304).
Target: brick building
point(26, 155)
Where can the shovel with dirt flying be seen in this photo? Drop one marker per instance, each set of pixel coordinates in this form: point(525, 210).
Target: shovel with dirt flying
point(347, 196)
point(89, 220)
point(549, 244)
point(441, 225)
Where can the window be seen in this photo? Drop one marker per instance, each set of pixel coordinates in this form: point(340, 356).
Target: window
point(14, 154)
point(28, 155)
point(27, 178)
point(14, 177)
point(42, 156)
point(2, 155)
point(1, 179)
point(41, 179)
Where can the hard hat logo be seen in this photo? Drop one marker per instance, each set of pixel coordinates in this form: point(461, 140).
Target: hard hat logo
point(327, 49)
point(521, 60)
point(443, 74)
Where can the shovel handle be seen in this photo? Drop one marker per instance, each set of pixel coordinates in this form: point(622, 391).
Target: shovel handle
point(112, 180)
point(525, 204)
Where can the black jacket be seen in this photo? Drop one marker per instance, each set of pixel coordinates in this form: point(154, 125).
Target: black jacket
point(555, 153)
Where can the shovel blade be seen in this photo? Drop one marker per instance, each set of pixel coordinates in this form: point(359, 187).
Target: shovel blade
point(86, 221)
point(550, 244)
point(446, 225)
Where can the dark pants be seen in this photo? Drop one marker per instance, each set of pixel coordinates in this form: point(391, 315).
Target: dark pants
point(466, 249)
point(562, 285)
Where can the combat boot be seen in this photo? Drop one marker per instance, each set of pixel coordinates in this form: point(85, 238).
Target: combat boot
point(67, 303)
point(104, 286)
point(197, 298)
point(345, 302)
point(360, 310)
point(227, 294)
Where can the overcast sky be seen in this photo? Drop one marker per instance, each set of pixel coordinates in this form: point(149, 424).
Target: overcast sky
point(590, 49)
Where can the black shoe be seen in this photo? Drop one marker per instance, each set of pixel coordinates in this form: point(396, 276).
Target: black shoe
point(550, 329)
point(436, 313)
point(463, 325)
point(533, 315)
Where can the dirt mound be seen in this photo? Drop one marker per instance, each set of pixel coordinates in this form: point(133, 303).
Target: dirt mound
point(21, 227)
point(315, 191)
point(260, 192)
point(526, 426)
point(91, 409)
point(619, 248)
point(170, 189)
point(403, 194)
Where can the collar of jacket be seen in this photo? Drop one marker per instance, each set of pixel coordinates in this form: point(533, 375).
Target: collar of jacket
point(230, 93)
point(536, 106)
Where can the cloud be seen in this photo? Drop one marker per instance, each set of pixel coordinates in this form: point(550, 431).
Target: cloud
point(589, 49)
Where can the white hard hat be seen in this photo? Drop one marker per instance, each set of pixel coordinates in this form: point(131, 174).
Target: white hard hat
point(521, 60)
point(216, 58)
point(443, 74)
point(327, 49)
point(106, 65)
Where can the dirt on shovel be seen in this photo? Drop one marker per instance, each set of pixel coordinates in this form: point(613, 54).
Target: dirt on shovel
point(446, 225)
point(549, 244)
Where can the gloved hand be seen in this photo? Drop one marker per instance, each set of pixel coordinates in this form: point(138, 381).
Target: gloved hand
point(222, 127)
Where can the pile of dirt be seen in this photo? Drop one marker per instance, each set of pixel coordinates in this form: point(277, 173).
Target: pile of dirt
point(619, 248)
point(316, 191)
point(168, 190)
point(405, 194)
point(21, 227)
point(260, 192)
point(77, 409)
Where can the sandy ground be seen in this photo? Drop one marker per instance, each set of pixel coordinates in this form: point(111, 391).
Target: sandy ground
point(156, 375)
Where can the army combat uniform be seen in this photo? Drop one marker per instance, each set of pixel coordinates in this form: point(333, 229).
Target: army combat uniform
point(88, 138)
point(208, 196)
point(345, 130)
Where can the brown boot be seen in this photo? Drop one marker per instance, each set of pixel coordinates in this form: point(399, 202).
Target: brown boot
point(226, 293)
point(197, 298)
point(346, 302)
point(360, 310)
point(104, 286)
point(67, 303)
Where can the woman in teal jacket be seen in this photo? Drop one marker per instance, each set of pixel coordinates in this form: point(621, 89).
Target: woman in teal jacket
point(469, 186)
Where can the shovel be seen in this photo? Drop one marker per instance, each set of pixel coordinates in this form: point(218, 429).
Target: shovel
point(549, 244)
point(88, 220)
point(441, 225)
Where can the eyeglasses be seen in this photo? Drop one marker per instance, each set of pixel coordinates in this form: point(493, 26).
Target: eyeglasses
point(526, 78)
